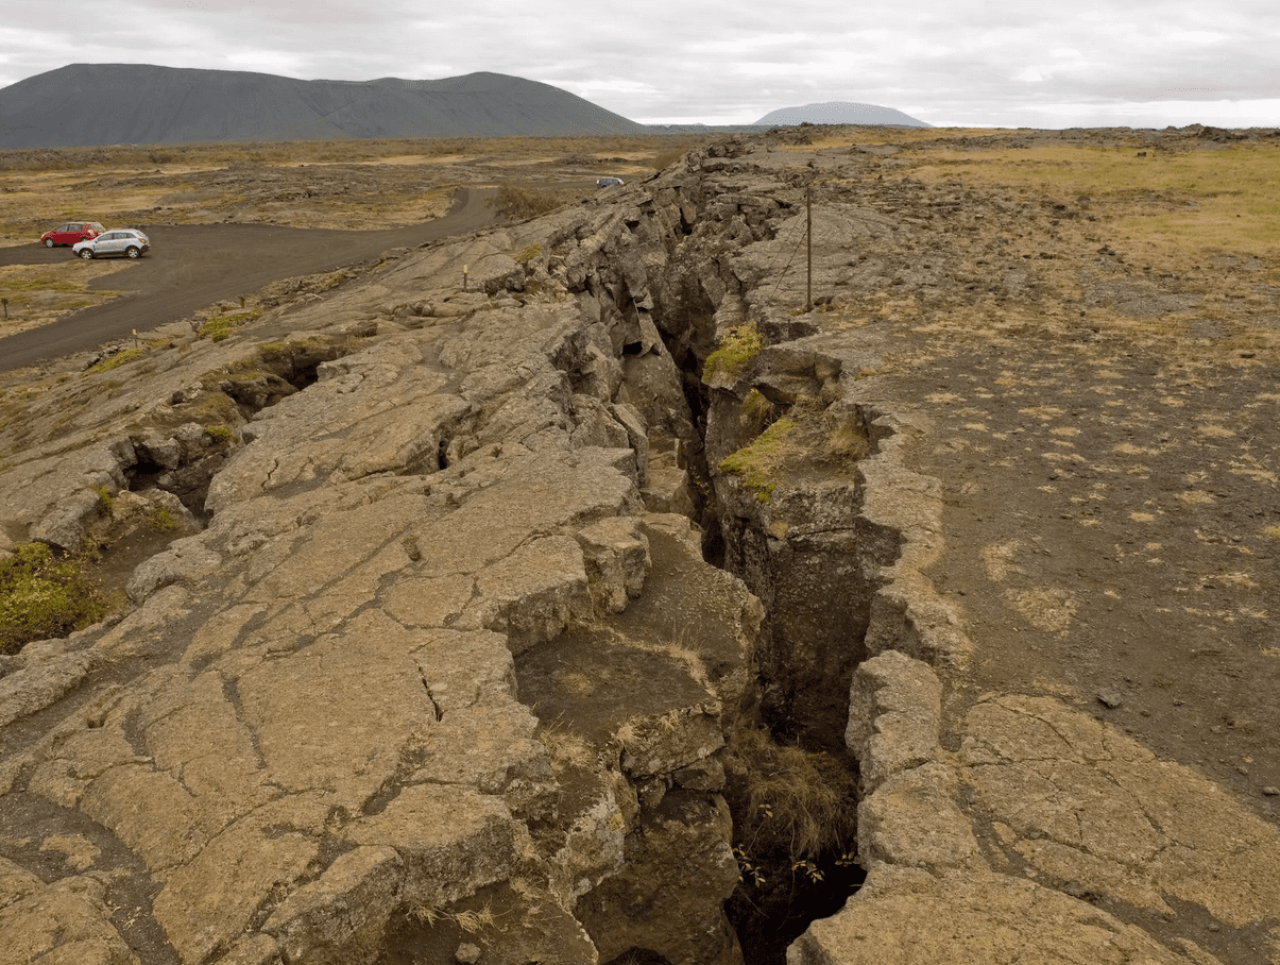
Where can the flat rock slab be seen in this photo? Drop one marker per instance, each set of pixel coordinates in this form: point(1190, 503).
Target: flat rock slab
point(308, 731)
point(904, 917)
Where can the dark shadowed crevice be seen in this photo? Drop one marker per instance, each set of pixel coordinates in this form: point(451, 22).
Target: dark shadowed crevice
point(639, 956)
point(816, 584)
point(817, 596)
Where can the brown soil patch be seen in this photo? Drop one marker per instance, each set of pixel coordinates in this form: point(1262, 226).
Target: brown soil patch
point(1105, 425)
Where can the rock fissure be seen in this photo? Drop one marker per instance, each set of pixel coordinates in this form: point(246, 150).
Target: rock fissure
point(671, 624)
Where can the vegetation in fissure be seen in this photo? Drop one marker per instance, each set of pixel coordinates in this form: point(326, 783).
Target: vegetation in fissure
point(42, 596)
point(736, 351)
point(220, 327)
point(794, 808)
point(794, 836)
point(755, 464)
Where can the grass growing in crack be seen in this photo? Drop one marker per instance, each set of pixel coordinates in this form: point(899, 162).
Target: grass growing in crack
point(849, 440)
point(42, 596)
point(795, 821)
point(758, 410)
point(798, 802)
point(161, 520)
point(738, 349)
point(469, 921)
point(220, 327)
point(757, 463)
point(528, 253)
point(106, 502)
point(119, 359)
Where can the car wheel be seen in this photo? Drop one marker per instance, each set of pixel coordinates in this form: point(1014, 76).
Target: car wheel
point(87, 254)
point(133, 252)
point(48, 242)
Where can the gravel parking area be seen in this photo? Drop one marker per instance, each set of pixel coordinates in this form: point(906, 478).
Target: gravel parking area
point(193, 266)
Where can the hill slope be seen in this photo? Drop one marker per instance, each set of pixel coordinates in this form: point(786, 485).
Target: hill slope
point(91, 104)
point(840, 112)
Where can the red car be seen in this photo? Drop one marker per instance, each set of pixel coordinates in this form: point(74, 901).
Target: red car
point(71, 232)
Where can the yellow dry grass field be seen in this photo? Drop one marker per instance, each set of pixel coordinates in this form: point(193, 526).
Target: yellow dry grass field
point(314, 184)
point(34, 295)
point(1176, 203)
point(1205, 222)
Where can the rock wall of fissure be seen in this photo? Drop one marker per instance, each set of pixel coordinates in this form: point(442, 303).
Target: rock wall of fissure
point(444, 676)
point(475, 591)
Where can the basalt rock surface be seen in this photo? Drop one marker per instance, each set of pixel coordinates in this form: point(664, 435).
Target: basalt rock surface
point(437, 670)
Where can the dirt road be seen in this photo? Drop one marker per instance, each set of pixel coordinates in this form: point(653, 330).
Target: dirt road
point(192, 266)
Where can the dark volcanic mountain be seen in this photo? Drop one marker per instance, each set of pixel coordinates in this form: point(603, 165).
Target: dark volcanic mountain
point(91, 104)
point(835, 112)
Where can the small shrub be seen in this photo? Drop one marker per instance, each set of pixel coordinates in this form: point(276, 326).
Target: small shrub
point(527, 255)
point(162, 520)
point(42, 597)
point(218, 433)
point(665, 159)
point(106, 502)
point(737, 350)
point(517, 204)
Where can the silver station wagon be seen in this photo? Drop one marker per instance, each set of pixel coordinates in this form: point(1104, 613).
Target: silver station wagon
point(129, 242)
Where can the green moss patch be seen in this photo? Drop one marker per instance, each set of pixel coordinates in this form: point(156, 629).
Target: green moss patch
point(737, 350)
point(119, 359)
point(757, 463)
point(42, 596)
point(220, 327)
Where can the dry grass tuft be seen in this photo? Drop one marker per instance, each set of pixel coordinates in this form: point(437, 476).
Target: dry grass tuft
point(519, 204)
point(799, 802)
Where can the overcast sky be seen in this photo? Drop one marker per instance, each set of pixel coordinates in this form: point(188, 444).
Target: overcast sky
point(1142, 63)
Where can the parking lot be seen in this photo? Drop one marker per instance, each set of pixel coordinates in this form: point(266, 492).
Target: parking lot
point(193, 266)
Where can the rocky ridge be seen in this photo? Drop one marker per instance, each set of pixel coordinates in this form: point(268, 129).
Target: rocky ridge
point(440, 673)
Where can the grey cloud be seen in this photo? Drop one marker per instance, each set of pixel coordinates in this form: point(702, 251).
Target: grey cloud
point(987, 61)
